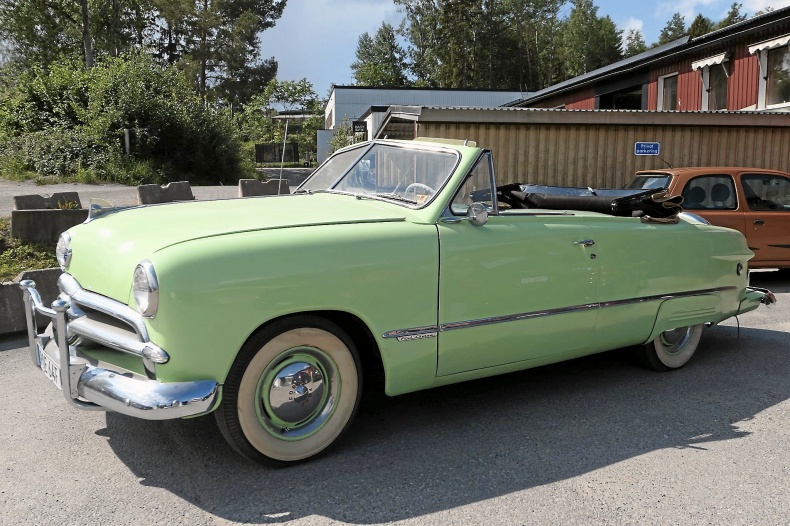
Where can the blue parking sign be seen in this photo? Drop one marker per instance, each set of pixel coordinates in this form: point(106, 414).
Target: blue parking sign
point(647, 148)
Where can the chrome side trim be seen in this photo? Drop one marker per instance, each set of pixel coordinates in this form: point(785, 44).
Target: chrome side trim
point(514, 317)
point(416, 333)
point(432, 331)
point(673, 295)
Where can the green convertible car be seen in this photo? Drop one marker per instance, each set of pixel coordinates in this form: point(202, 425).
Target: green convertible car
point(398, 262)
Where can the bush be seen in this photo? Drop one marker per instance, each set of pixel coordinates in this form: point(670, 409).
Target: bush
point(72, 122)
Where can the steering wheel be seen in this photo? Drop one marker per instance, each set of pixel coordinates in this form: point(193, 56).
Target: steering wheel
point(418, 186)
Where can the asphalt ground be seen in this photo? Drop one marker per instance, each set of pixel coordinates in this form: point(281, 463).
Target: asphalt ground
point(120, 195)
point(591, 441)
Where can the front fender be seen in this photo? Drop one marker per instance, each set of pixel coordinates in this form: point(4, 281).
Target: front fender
point(216, 292)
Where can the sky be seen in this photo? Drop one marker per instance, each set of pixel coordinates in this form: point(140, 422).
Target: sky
point(317, 39)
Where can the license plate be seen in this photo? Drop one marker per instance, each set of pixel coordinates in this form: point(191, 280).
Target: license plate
point(50, 367)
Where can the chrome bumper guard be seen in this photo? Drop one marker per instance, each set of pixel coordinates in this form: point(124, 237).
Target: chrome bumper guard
point(768, 296)
point(86, 386)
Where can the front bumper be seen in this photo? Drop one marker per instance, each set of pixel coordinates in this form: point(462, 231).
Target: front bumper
point(88, 386)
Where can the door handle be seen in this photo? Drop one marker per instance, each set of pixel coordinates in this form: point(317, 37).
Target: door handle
point(585, 242)
point(759, 222)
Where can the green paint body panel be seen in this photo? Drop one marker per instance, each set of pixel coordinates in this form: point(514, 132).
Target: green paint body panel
point(227, 268)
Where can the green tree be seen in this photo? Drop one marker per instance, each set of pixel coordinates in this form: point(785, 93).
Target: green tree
point(419, 28)
point(733, 16)
point(472, 48)
point(531, 31)
point(215, 42)
point(459, 34)
point(343, 136)
point(701, 25)
point(589, 42)
point(69, 119)
point(40, 31)
point(673, 30)
point(634, 43)
point(257, 122)
point(764, 11)
point(381, 61)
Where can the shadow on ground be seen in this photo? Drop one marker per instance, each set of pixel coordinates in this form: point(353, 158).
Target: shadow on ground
point(430, 451)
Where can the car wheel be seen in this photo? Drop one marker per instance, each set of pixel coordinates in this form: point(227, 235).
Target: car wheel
point(292, 391)
point(671, 349)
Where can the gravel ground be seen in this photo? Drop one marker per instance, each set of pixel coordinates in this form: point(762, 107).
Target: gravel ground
point(591, 441)
point(125, 195)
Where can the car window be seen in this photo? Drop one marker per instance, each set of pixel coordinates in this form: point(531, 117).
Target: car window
point(410, 176)
point(326, 175)
point(477, 188)
point(649, 182)
point(766, 191)
point(710, 192)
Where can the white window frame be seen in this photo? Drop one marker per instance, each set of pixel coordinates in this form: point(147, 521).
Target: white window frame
point(703, 66)
point(660, 98)
point(761, 49)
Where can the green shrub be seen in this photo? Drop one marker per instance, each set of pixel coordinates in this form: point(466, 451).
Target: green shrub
point(16, 257)
point(72, 122)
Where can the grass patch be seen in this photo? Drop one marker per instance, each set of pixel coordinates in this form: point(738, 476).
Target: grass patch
point(16, 256)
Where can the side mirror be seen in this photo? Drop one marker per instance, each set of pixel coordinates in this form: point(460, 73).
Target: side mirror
point(477, 214)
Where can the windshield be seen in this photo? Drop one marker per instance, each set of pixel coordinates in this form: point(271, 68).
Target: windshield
point(649, 182)
point(400, 173)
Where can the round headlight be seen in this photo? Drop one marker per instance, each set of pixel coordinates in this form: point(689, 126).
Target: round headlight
point(63, 250)
point(146, 289)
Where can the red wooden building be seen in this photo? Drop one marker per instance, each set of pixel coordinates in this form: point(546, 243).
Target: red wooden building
point(745, 66)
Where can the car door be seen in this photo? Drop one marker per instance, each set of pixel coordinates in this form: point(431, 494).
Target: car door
point(522, 286)
point(767, 217)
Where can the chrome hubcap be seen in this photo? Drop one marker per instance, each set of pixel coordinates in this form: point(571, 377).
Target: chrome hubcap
point(675, 340)
point(297, 393)
point(295, 390)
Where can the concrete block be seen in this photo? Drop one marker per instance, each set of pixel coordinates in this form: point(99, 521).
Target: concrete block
point(58, 200)
point(148, 194)
point(254, 187)
point(11, 299)
point(44, 226)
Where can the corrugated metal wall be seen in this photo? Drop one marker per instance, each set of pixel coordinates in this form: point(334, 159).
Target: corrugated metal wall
point(743, 84)
point(602, 155)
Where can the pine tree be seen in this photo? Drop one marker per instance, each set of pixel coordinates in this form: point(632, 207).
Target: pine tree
point(381, 60)
point(701, 25)
point(634, 43)
point(589, 42)
point(675, 29)
point(733, 16)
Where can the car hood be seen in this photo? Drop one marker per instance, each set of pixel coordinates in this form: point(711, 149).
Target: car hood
point(106, 250)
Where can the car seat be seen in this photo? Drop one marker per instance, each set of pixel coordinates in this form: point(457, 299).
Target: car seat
point(694, 198)
point(720, 194)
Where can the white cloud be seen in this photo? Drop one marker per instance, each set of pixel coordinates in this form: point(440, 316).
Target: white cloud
point(632, 23)
point(688, 9)
point(752, 6)
point(318, 39)
point(628, 25)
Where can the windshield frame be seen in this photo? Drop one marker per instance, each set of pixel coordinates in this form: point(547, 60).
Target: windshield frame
point(364, 150)
point(650, 175)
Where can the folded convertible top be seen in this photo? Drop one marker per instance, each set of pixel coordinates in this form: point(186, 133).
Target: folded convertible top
point(652, 203)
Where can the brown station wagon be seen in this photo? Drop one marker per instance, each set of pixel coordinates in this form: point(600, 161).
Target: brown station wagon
point(754, 201)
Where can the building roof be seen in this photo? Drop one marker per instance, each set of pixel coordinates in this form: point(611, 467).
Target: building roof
point(399, 121)
point(682, 45)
